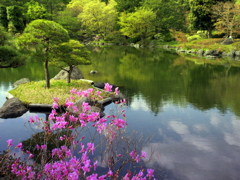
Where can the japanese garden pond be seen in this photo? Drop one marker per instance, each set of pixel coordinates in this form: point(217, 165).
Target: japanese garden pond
point(190, 110)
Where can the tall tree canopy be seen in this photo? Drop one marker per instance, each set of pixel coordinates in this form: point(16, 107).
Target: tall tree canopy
point(35, 11)
point(170, 14)
point(227, 17)
point(70, 54)
point(137, 24)
point(127, 5)
point(98, 17)
point(200, 16)
point(9, 55)
point(15, 19)
point(3, 17)
point(42, 37)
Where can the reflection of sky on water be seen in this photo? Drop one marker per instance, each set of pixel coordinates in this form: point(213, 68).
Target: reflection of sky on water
point(190, 144)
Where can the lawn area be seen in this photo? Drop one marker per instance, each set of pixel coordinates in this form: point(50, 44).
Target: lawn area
point(36, 93)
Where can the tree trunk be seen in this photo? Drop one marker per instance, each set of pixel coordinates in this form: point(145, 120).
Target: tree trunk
point(209, 32)
point(69, 74)
point(47, 76)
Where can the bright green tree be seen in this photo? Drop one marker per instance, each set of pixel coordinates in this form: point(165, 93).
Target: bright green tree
point(98, 17)
point(200, 15)
point(138, 24)
point(35, 11)
point(42, 37)
point(70, 54)
point(77, 5)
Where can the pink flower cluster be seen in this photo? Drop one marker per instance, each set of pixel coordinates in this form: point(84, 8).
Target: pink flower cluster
point(67, 166)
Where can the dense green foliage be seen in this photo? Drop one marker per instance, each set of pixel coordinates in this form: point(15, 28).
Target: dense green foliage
point(200, 16)
point(42, 37)
point(120, 21)
point(15, 19)
point(70, 54)
point(137, 24)
point(9, 55)
point(115, 20)
point(3, 16)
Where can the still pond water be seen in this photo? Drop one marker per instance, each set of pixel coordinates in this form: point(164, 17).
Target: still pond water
point(191, 110)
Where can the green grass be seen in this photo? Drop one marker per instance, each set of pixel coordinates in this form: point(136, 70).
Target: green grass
point(35, 92)
point(206, 44)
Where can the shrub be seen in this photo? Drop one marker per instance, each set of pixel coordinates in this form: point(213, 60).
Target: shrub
point(62, 138)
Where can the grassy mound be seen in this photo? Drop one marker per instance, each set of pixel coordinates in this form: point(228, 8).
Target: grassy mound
point(36, 93)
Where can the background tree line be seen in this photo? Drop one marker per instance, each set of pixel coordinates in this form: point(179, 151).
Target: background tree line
point(122, 20)
point(48, 30)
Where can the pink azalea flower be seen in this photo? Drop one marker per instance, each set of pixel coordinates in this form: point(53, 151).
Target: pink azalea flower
point(83, 123)
point(61, 138)
point(95, 165)
point(92, 177)
point(31, 120)
point(91, 147)
point(68, 103)
point(132, 154)
point(110, 173)
point(86, 107)
point(101, 127)
point(55, 99)
point(103, 177)
point(9, 142)
point(73, 91)
point(19, 146)
point(54, 105)
point(150, 173)
point(44, 146)
point(143, 155)
point(38, 147)
point(116, 91)
point(137, 158)
point(108, 87)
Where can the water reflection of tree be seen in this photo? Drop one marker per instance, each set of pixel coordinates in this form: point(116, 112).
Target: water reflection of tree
point(40, 139)
point(161, 77)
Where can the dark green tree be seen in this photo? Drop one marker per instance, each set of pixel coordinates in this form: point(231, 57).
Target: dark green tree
point(3, 17)
point(13, 2)
point(70, 54)
point(42, 37)
point(127, 5)
point(15, 19)
point(53, 6)
point(9, 55)
point(69, 20)
point(170, 14)
point(200, 15)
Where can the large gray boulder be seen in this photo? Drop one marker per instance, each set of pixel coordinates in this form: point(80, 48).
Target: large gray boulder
point(76, 74)
point(237, 53)
point(12, 108)
point(20, 81)
point(200, 52)
point(212, 53)
point(227, 41)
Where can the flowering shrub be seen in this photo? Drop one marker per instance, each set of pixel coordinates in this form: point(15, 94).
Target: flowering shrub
point(64, 130)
